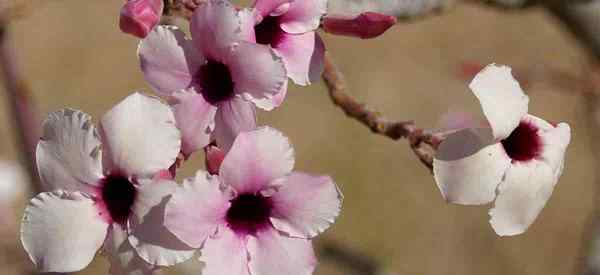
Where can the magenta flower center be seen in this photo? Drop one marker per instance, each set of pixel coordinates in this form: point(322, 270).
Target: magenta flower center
point(215, 81)
point(249, 213)
point(523, 144)
point(118, 195)
point(268, 31)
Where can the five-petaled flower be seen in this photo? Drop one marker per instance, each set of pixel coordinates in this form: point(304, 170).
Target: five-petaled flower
point(102, 190)
point(515, 158)
point(256, 216)
point(215, 79)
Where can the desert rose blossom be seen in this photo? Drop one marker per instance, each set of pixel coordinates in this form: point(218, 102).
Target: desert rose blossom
point(139, 17)
point(514, 157)
point(103, 191)
point(256, 216)
point(216, 79)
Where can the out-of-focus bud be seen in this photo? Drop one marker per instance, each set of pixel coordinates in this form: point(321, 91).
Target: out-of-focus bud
point(139, 17)
point(366, 25)
point(214, 157)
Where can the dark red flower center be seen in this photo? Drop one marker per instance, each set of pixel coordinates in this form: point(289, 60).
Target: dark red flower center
point(118, 195)
point(268, 31)
point(249, 213)
point(215, 81)
point(524, 143)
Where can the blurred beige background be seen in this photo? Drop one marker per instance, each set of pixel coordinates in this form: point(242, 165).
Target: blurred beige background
point(74, 55)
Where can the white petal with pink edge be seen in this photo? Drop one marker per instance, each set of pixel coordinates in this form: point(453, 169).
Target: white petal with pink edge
point(502, 100)
point(61, 231)
point(215, 26)
point(305, 205)
point(255, 159)
point(68, 154)
point(259, 77)
point(147, 232)
point(195, 119)
point(467, 170)
point(225, 253)
point(303, 56)
point(521, 197)
point(196, 209)
point(271, 253)
point(233, 117)
point(122, 256)
point(168, 60)
point(303, 16)
point(140, 137)
point(265, 8)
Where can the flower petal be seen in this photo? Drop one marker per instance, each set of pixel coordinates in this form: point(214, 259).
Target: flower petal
point(467, 170)
point(140, 136)
point(196, 209)
point(266, 7)
point(147, 231)
point(259, 77)
point(555, 140)
point(195, 117)
point(168, 60)
point(61, 231)
point(225, 253)
point(305, 205)
point(122, 256)
point(522, 195)
point(273, 102)
point(303, 56)
point(255, 159)
point(215, 26)
point(501, 98)
point(303, 16)
point(68, 154)
point(272, 253)
point(234, 116)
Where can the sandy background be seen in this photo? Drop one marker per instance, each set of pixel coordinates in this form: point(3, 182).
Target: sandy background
point(74, 55)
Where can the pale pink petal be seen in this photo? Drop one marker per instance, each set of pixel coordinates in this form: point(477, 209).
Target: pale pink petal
point(196, 209)
point(303, 16)
point(259, 77)
point(248, 20)
point(139, 136)
point(122, 256)
point(501, 98)
point(147, 231)
point(265, 8)
point(169, 61)
point(303, 56)
point(467, 170)
point(215, 26)
point(195, 119)
point(271, 253)
point(225, 253)
point(521, 197)
point(61, 231)
point(275, 101)
point(257, 158)
point(305, 205)
point(68, 154)
point(234, 116)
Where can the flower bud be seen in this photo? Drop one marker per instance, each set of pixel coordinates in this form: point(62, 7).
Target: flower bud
point(139, 17)
point(214, 157)
point(366, 25)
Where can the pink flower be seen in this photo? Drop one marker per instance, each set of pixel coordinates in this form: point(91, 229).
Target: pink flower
point(256, 216)
point(139, 17)
point(216, 79)
point(103, 193)
point(289, 27)
point(515, 159)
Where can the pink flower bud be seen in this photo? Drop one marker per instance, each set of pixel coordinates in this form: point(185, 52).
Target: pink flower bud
point(365, 25)
point(139, 17)
point(214, 157)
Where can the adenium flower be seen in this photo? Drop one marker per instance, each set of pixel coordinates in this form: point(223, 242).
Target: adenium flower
point(139, 17)
point(514, 158)
point(215, 79)
point(289, 27)
point(102, 189)
point(257, 216)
